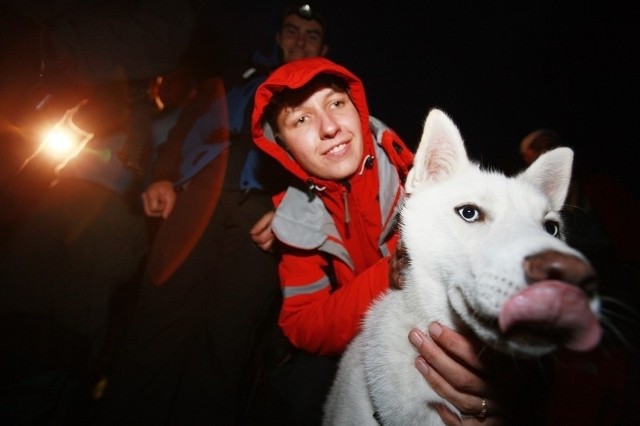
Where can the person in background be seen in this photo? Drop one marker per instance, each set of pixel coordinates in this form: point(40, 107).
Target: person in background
point(209, 300)
point(595, 207)
point(82, 238)
point(584, 228)
point(335, 226)
point(69, 263)
point(538, 142)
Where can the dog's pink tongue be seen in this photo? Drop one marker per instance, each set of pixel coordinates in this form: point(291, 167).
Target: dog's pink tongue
point(554, 303)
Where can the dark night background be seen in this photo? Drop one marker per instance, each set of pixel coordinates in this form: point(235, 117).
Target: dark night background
point(500, 69)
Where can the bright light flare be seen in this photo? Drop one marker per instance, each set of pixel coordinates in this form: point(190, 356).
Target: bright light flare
point(64, 141)
point(59, 142)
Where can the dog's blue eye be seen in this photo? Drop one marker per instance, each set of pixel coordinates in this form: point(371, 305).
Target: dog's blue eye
point(469, 213)
point(552, 227)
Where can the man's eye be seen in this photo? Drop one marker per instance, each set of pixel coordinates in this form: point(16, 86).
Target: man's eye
point(314, 38)
point(290, 32)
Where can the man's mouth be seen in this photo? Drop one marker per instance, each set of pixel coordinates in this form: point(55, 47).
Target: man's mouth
point(298, 53)
point(338, 149)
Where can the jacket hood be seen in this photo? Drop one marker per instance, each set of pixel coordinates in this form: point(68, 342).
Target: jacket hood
point(294, 75)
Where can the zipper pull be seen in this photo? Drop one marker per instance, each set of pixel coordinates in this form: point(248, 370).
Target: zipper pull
point(347, 216)
point(345, 202)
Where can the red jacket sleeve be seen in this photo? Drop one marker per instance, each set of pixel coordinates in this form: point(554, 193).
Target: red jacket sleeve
point(317, 319)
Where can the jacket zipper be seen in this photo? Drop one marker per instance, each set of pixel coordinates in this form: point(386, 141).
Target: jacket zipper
point(346, 188)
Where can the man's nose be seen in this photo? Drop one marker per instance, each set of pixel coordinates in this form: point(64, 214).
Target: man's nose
point(329, 127)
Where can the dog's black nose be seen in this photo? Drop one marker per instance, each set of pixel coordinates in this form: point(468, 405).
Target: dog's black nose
point(554, 265)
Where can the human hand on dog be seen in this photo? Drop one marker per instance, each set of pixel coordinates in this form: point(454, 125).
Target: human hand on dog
point(397, 263)
point(449, 362)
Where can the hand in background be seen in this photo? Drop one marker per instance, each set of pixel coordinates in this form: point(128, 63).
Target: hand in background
point(261, 233)
point(159, 199)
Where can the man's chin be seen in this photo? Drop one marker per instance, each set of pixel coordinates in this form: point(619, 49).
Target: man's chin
point(294, 56)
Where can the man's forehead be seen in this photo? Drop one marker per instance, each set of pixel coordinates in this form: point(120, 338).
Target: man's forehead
point(306, 25)
point(299, 98)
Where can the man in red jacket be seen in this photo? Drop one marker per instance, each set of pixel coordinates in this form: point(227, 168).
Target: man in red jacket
point(336, 232)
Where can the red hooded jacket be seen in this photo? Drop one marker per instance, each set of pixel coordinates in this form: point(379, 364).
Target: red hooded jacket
point(336, 238)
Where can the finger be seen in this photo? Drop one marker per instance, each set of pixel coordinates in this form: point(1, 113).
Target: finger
point(168, 207)
point(452, 419)
point(260, 237)
point(150, 205)
point(266, 240)
point(466, 403)
point(145, 204)
point(256, 229)
point(266, 246)
point(457, 375)
point(448, 417)
point(451, 380)
point(461, 347)
point(464, 351)
point(260, 230)
point(263, 223)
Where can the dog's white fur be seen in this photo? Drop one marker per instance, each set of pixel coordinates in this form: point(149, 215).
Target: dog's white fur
point(461, 270)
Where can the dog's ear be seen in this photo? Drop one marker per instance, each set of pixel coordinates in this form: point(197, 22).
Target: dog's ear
point(551, 173)
point(440, 154)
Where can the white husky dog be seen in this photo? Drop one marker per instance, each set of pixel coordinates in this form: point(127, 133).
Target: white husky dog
point(485, 255)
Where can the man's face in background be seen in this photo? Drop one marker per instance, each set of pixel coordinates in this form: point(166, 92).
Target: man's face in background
point(301, 38)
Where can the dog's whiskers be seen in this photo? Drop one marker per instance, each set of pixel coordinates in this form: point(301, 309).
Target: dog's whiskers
point(482, 350)
point(616, 316)
point(613, 329)
point(607, 300)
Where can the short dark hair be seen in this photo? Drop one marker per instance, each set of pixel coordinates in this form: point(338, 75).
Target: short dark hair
point(305, 11)
point(292, 97)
